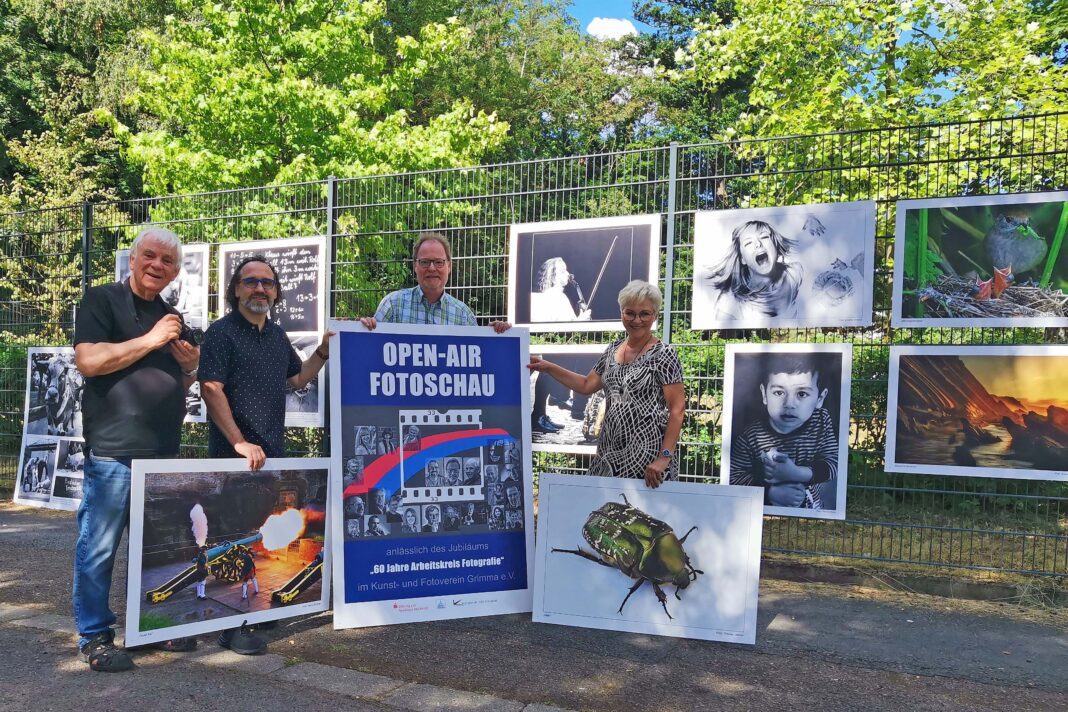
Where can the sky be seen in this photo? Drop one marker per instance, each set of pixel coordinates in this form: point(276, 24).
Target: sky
point(1035, 378)
point(609, 18)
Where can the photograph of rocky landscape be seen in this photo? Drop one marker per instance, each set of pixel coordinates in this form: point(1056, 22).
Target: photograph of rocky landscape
point(989, 411)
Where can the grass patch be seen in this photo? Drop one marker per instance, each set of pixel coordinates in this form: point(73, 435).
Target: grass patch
point(155, 621)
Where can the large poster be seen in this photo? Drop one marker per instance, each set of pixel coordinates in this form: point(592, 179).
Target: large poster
point(214, 545)
point(565, 275)
point(981, 411)
point(52, 457)
point(681, 560)
point(431, 443)
point(301, 263)
point(786, 425)
point(992, 260)
point(787, 267)
point(562, 420)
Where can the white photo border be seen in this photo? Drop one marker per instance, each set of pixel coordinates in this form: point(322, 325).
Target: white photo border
point(867, 208)
point(652, 220)
point(890, 458)
point(61, 504)
point(846, 352)
point(897, 316)
point(748, 497)
point(137, 513)
point(549, 350)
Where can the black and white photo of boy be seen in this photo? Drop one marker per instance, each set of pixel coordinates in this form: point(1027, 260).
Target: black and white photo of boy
point(788, 425)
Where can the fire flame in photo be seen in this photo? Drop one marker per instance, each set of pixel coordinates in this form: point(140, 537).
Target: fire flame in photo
point(281, 529)
point(199, 523)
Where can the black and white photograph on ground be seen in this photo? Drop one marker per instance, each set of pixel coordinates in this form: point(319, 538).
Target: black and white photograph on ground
point(786, 267)
point(682, 560)
point(301, 264)
point(981, 260)
point(304, 406)
point(565, 275)
point(562, 420)
point(53, 393)
point(786, 425)
point(214, 545)
point(979, 411)
point(49, 471)
point(37, 470)
point(188, 293)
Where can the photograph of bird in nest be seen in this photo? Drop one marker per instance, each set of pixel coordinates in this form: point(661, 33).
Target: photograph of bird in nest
point(982, 261)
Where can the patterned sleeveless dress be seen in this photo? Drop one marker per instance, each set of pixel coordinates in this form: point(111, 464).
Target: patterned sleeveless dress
point(636, 415)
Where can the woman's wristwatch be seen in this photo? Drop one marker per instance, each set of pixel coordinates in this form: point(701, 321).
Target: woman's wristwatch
point(666, 453)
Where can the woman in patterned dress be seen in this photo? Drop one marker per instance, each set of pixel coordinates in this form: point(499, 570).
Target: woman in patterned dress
point(642, 382)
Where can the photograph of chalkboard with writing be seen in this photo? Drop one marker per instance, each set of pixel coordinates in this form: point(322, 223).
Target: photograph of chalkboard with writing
point(301, 266)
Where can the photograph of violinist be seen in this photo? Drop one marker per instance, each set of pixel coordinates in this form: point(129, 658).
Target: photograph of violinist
point(565, 275)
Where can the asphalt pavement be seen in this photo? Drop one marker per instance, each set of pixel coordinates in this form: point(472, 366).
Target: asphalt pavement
point(838, 647)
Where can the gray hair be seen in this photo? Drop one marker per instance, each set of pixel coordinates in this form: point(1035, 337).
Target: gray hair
point(432, 237)
point(639, 291)
point(161, 235)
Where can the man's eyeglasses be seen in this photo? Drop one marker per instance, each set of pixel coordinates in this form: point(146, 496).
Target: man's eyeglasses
point(251, 282)
point(631, 315)
point(425, 263)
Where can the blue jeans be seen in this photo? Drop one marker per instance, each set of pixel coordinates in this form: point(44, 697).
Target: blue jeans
point(102, 517)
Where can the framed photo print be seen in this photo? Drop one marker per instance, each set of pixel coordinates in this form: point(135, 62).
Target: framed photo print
point(565, 275)
point(784, 267)
point(994, 260)
point(786, 425)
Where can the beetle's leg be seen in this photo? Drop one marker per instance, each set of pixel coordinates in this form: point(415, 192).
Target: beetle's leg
point(624, 496)
point(683, 539)
point(635, 587)
point(662, 597)
point(585, 555)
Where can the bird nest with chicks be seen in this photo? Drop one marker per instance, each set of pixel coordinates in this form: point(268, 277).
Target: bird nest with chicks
point(956, 297)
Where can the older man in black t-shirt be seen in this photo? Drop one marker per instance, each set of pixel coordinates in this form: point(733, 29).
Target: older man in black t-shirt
point(137, 370)
point(247, 361)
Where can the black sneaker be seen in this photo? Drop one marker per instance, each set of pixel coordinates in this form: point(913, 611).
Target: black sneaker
point(102, 655)
point(242, 641)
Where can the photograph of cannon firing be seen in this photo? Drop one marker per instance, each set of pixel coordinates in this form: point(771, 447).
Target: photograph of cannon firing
point(213, 545)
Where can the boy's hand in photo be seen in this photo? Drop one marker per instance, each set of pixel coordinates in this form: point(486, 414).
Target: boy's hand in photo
point(779, 468)
point(788, 494)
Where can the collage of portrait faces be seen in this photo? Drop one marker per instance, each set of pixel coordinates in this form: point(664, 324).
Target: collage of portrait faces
point(472, 491)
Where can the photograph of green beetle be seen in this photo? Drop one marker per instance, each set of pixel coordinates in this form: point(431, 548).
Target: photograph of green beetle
point(641, 546)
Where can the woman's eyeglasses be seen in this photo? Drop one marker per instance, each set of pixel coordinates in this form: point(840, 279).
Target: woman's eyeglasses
point(631, 315)
point(251, 282)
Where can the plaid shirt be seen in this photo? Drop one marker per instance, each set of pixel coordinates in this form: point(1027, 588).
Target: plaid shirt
point(409, 306)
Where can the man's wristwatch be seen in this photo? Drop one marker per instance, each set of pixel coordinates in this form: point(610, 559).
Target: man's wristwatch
point(666, 453)
point(321, 355)
point(191, 373)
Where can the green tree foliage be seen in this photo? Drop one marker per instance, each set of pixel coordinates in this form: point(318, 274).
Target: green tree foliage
point(258, 92)
point(686, 108)
point(560, 91)
point(876, 63)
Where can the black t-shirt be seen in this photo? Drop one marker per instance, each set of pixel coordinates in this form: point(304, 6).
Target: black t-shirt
point(136, 411)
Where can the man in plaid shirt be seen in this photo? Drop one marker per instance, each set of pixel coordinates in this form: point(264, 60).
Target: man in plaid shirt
point(427, 303)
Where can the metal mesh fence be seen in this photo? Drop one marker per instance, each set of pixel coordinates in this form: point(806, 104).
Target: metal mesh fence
point(48, 257)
